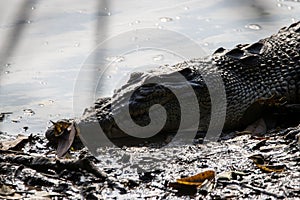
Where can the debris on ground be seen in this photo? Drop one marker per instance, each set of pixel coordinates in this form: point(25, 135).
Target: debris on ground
point(241, 167)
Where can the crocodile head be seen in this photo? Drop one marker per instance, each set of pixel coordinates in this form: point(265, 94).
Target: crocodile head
point(137, 105)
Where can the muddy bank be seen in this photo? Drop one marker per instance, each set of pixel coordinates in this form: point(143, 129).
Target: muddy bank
point(243, 167)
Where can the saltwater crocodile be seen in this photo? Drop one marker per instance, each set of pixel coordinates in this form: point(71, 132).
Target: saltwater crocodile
point(267, 69)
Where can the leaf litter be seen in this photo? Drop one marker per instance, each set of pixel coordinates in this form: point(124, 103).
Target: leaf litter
point(239, 167)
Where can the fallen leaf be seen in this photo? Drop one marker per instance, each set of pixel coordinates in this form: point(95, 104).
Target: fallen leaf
point(230, 175)
point(260, 161)
point(192, 184)
point(65, 140)
point(259, 144)
point(225, 176)
point(271, 168)
point(15, 144)
point(60, 127)
point(6, 190)
point(197, 179)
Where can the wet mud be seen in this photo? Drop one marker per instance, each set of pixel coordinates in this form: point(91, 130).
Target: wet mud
point(240, 167)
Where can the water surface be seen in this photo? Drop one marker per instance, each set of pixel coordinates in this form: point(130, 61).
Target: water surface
point(55, 40)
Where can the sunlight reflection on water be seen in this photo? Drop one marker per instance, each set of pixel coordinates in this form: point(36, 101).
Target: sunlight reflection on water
point(43, 68)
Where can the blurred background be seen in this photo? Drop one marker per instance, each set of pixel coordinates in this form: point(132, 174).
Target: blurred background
point(44, 44)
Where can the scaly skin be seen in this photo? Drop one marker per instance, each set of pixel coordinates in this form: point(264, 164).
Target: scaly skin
point(269, 67)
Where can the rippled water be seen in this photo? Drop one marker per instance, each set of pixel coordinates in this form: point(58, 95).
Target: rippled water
point(54, 39)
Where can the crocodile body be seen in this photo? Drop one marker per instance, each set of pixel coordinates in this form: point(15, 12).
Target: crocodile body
point(250, 72)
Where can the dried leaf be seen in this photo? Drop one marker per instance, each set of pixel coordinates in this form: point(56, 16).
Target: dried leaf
point(60, 127)
point(262, 164)
point(197, 179)
point(259, 144)
point(258, 159)
point(202, 182)
point(6, 190)
point(230, 175)
point(65, 140)
point(271, 168)
point(15, 144)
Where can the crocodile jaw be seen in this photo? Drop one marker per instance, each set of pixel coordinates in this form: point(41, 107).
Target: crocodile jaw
point(140, 95)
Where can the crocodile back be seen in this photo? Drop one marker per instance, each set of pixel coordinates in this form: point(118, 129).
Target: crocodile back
point(269, 67)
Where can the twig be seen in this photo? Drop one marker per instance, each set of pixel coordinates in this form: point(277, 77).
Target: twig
point(255, 189)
